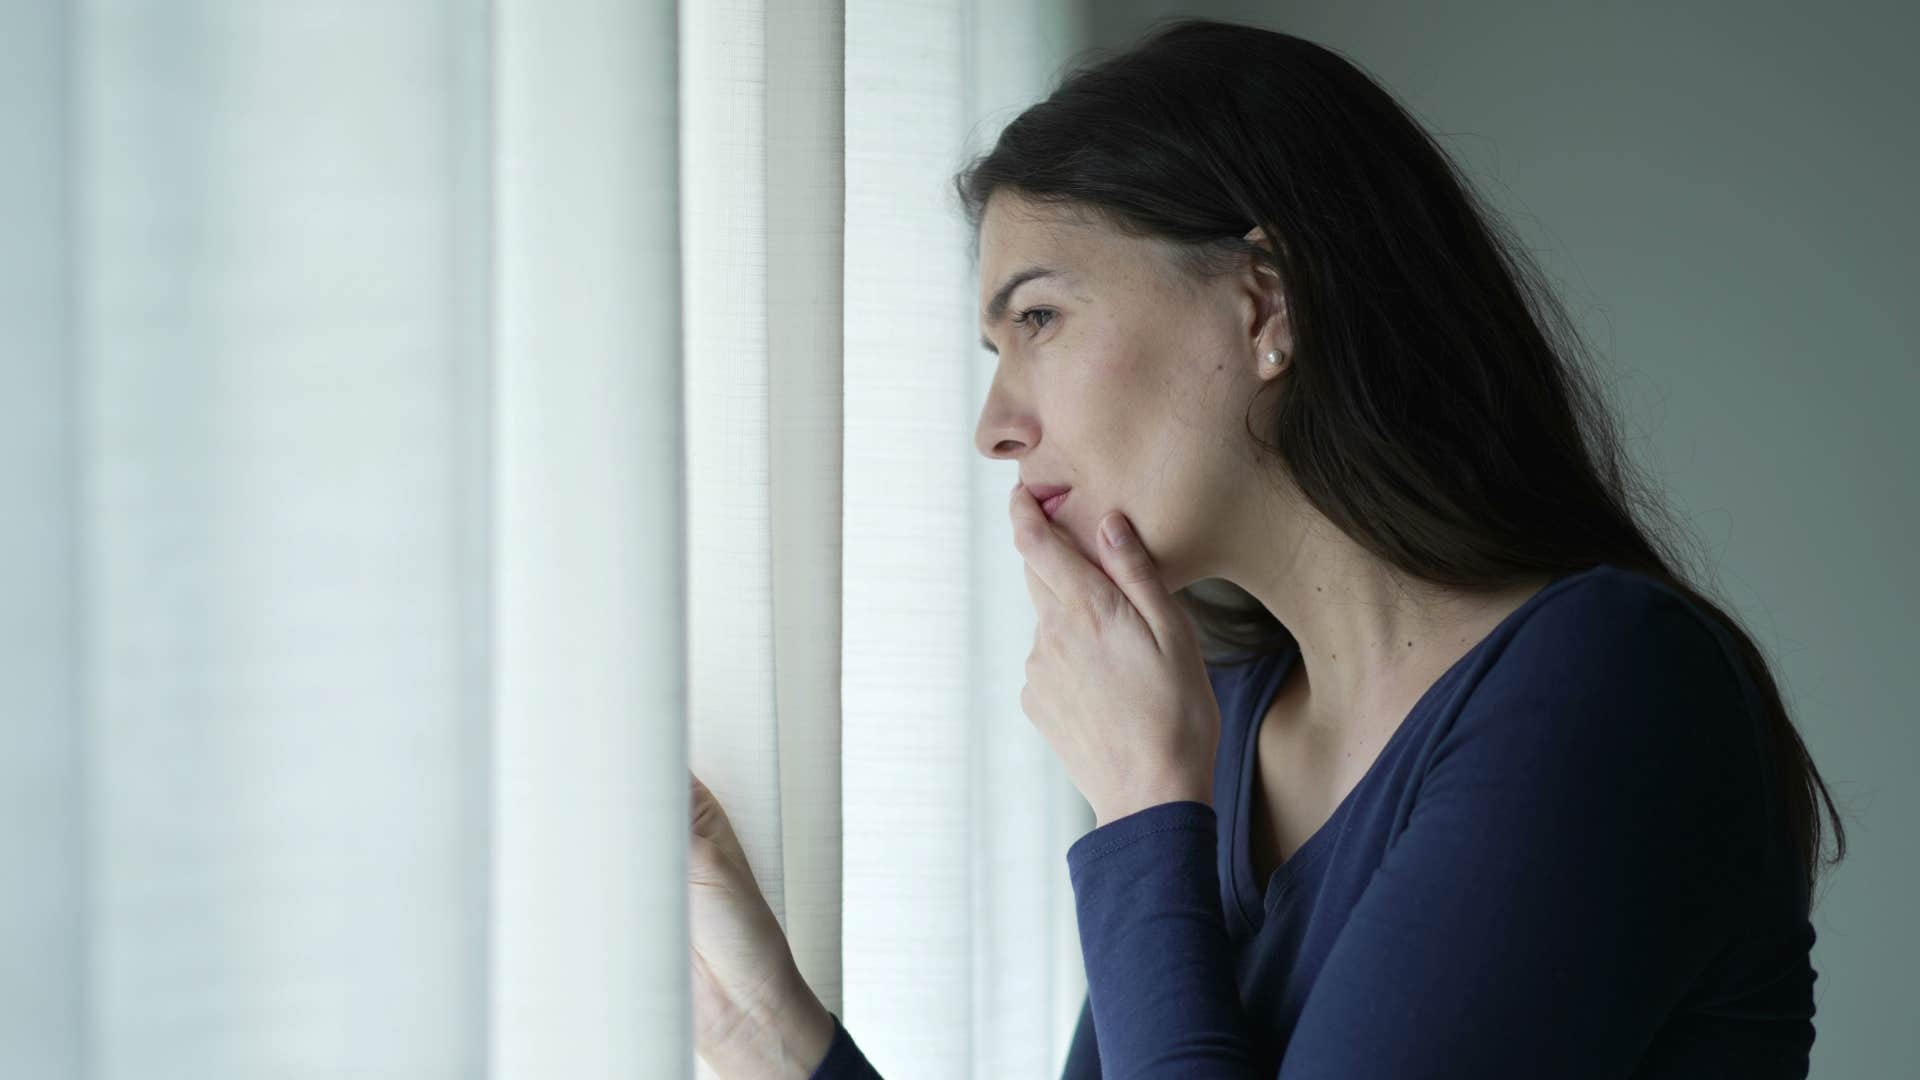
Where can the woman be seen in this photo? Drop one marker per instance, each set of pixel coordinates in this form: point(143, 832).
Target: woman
point(1469, 781)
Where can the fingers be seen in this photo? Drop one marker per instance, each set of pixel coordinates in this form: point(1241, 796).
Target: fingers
point(700, 798)
point(1062, 570)
point(1038, 591)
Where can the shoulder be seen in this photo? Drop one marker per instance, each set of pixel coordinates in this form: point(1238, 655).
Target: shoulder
point(1610, 631)
point(1615, 710)
point(1611, 673)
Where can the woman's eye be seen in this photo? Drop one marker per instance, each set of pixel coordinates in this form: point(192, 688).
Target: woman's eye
point(1030, 314)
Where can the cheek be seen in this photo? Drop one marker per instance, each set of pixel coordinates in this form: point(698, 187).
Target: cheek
point(1172, 502)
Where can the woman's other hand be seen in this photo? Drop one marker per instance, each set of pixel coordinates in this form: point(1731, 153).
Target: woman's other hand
point(753, 1013)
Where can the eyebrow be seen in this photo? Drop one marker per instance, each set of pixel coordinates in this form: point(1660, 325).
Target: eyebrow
point(997, 307)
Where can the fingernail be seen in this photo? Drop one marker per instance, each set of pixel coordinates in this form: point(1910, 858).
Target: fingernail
point(1116, 531)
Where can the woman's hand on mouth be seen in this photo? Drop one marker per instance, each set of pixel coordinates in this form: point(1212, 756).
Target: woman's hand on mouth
point(1116, 681)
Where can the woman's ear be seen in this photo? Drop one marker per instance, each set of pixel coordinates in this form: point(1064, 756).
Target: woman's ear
point(1273, 324)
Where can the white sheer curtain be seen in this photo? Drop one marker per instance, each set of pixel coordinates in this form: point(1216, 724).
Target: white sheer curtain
point(429, 428)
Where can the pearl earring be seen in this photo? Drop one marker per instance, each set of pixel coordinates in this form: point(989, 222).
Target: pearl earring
point(1273, 357)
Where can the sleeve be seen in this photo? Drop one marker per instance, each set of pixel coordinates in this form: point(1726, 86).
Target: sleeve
point(1161, 994)
point(1160, 982)
point(1570, 864)
point(844, 1061)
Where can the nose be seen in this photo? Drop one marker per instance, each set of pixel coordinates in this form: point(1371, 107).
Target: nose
point(1004, 432)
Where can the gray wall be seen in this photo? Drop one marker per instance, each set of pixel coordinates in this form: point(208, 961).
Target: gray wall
point(1725, 193)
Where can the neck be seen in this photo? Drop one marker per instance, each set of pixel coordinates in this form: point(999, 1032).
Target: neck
point(1371, 639)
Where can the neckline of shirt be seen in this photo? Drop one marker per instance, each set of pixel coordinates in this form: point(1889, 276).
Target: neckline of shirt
point(1268, 673)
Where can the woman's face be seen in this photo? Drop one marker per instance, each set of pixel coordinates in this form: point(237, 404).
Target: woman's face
point(1125, 381)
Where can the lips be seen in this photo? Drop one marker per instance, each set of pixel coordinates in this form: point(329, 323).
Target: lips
point(1049, 496)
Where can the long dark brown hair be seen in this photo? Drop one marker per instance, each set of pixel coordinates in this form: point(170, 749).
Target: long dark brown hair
point(1437, 409)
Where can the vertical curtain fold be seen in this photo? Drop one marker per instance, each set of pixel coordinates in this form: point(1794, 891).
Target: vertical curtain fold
point(733, 719)
point(806, 210)
point(908, 792)
point(278, 691)
point(961, 954)
point(589, 814)
point(43, 944)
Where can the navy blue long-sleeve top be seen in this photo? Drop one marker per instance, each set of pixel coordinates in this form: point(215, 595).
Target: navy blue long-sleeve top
point(1569, 860)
